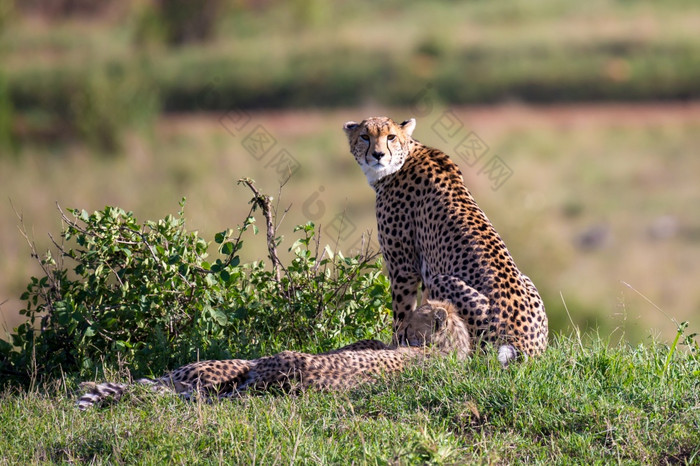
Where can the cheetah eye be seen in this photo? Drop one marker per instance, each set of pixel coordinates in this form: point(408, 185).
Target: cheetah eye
point(391, 137)
point(364, 137)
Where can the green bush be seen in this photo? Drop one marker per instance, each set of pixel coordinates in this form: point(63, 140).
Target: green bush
point(150, 297)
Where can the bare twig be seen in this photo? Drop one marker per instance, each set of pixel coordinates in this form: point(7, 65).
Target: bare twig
point(59, 247)
point(280, 218)
point(52, 294)
point(265, 204)
point(69, 221)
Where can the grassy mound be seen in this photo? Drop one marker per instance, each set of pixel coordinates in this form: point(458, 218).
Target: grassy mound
point(580, 402)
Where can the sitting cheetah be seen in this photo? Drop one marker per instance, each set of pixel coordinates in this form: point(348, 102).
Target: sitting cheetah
point(436, 323)
point(432, 231)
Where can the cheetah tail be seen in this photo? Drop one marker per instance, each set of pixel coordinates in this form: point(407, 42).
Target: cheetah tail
point(99, 393)
point(506, 353)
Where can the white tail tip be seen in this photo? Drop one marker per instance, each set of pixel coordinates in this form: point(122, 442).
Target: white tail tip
point(506, 353)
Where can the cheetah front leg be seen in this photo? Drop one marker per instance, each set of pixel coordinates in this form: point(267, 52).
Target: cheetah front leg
point(404, 293)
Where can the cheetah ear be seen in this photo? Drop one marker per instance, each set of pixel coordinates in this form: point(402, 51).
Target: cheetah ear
point(408, 126)
point(440, 317)
point(350, 126)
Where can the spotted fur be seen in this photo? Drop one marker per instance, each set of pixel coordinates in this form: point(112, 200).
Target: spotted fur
point(432, 231)
point(343, 368)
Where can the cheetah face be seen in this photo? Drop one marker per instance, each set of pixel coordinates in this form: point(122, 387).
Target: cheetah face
point(380, 145)
point(420, 327)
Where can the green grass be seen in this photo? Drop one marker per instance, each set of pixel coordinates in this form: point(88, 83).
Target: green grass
point(580, 403)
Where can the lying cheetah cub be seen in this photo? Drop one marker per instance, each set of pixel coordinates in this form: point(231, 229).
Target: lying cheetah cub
point(435, 327)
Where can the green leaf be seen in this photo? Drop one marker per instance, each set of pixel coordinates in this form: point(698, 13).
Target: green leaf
point(220, 237)
point(62, 316)
point(111, 322)
point(219, 317)
point(227, 248)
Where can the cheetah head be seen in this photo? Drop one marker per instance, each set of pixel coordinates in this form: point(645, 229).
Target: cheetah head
point(380, 145)
point(436, 324)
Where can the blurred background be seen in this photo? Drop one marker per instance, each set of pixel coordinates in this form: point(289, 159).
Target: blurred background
point(576, 125)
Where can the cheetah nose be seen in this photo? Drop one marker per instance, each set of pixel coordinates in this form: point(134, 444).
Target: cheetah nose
point(377, 155)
